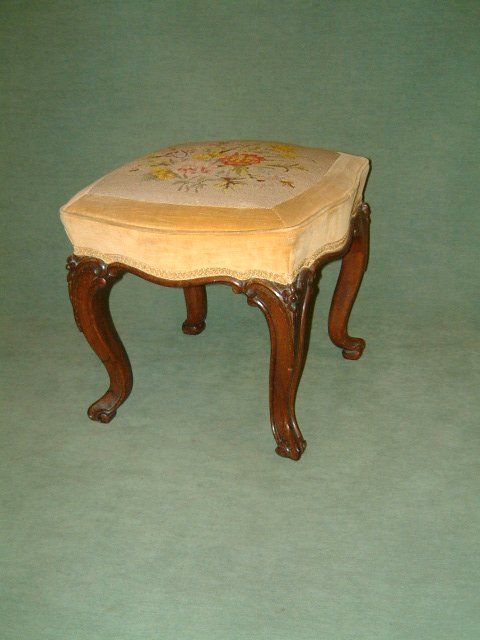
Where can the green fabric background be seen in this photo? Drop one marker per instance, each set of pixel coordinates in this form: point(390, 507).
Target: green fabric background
point(177, 521)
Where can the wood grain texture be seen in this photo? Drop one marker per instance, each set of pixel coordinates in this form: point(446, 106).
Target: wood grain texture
point(196, 301)
point(288, 312)
point(354, 265)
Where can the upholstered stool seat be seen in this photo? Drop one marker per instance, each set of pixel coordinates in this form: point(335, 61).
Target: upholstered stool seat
point(244, 209)
point(262, 216)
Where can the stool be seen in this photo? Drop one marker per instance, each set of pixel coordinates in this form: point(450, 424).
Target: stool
point(262, 217)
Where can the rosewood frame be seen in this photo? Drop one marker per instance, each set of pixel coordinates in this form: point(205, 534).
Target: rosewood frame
point(288, 310)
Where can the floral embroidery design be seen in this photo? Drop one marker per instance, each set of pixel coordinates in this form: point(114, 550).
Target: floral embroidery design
point(226, 165)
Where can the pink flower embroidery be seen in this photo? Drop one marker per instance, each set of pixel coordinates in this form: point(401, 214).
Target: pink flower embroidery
point(192, 169)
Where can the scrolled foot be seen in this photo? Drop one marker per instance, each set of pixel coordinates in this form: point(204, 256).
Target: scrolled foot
point(193, 329)
point(354, 349)
point(97, 415)
point(104, 409)
point(294, 451)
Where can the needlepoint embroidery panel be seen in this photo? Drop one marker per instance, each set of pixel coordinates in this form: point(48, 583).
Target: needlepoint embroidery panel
point(222, 173)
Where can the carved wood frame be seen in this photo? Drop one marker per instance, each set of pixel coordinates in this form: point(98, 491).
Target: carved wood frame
point(288, 310)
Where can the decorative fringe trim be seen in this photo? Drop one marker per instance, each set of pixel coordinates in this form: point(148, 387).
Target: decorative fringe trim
point(281, 278)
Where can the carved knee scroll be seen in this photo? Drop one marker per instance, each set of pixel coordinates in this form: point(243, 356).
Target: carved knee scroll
point(354, 265)
point(89, 284)
point(288, 313)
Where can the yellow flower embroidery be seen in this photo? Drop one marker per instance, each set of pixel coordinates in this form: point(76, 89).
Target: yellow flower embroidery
point(284, 150)
point(202, 156)
point(209, 153)
point(161, 173)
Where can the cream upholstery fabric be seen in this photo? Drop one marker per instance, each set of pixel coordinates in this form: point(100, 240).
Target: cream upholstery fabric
point(238, 208)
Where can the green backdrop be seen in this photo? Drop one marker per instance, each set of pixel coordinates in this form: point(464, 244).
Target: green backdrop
point(177, 520)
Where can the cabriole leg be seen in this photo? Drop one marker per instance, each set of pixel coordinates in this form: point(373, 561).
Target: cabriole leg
point(196, 301)
point(354, 265)
point(288, 312)
point(89, 284)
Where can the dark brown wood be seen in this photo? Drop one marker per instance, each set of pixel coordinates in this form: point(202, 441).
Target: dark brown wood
point(287, 308)
point(89, 283)
point(354, 265)
point(196, 301)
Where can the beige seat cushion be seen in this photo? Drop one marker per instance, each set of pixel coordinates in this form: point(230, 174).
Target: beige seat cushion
point(238, 208)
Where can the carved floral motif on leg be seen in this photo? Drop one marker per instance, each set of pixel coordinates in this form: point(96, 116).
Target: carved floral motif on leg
point(354, 265)
point(89, 284)
point(287, 310)
point(196, 301)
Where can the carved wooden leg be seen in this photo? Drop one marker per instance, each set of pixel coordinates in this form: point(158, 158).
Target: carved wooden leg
point(89, 284)
point(354, 264)
point(288, 312)
point(196, 301)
